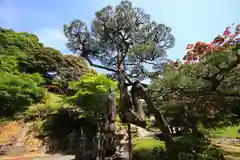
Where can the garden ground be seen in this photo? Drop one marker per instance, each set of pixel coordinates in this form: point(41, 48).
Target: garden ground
point(225, 138)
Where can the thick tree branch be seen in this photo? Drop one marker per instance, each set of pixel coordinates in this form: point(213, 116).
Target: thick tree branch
point(85, 54)
point(140, 91)
point(99, 66)
point(213, 79)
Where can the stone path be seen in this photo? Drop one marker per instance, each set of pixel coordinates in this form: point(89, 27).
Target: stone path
point(43, 157)
point(230, 146)
point(55, 157)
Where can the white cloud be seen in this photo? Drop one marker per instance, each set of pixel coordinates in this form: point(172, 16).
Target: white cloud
point(52, 37)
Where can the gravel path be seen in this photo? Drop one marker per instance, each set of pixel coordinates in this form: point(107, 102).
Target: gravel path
point(55, 157)
point(45, 157)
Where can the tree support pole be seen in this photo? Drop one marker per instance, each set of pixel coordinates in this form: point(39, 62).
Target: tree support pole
point(129, 141)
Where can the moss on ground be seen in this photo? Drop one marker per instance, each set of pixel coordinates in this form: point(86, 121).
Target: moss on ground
point(228, 132)
point(147, 143)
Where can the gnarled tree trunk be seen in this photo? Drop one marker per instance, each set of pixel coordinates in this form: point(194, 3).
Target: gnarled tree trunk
point(139, 91)
point(100, 143)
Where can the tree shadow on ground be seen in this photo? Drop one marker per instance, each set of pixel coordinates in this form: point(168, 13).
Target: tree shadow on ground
point(61, 130)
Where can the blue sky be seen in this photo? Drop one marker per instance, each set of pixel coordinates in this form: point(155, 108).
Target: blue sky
point(190, 20)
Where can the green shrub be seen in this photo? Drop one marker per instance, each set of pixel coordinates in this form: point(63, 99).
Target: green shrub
point(23, 40)
point(154, 153)
point(50, 105)
point(199, 148)
point(61, 123)
point(148, 149)
point(231, 131)
point(92, 92)
point(8, 63)
point(212, 153)
point(32, 57)
point(18, 91)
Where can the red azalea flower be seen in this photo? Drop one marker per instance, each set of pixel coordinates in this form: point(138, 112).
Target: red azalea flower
point(199, 43)
point(209, 45)
point(226, 33)
point(190, 46)
point(190, 57)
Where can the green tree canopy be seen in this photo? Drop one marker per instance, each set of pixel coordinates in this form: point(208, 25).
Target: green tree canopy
point(22, 51)
point(126, 42)
point(202, 92)
point(121, 34)
point(92, 93)
point(205, 92)
point(17, 92)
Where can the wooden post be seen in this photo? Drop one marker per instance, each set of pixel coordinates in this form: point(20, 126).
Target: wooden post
point(129, 141)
